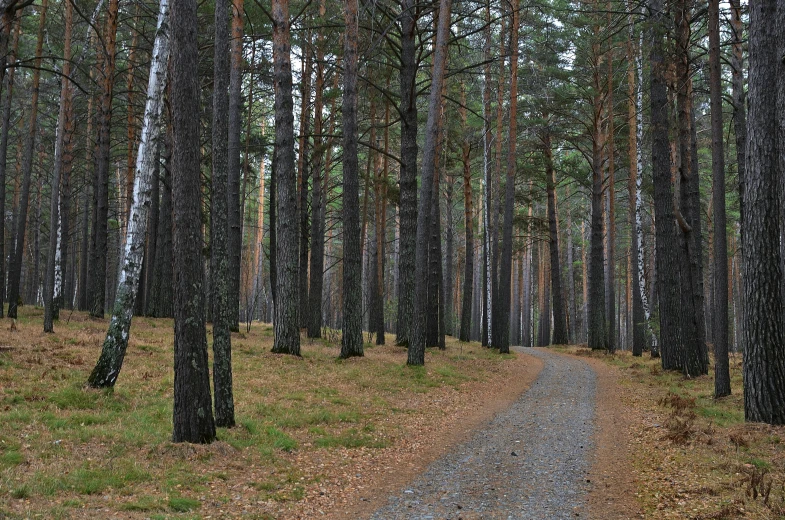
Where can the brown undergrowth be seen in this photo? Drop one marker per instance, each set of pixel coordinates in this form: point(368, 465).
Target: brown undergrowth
point(315, 435)
point(694, 456)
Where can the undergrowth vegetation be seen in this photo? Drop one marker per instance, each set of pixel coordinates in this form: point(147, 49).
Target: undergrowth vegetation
point(68, 451)
point(695, 455)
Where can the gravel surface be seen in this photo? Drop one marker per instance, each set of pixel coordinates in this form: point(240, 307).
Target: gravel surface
point(530, 461)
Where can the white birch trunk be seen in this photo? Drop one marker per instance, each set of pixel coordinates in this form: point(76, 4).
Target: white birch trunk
point(638, 197)
point(108, 367)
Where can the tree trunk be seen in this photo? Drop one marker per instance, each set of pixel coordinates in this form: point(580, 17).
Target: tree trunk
point(416, 352)
point(596, 320)
point(317, 213)
point(151, 255)
point(352, 337)
point(610, 281)
point(667, 258)
point(637, 322)
point(693, 337)
point(739, 124)
point(287, 332)
point(303, 171)
point(15, 269)
point(560, 336)
point(485, 331)
point(53, 257)
point(720, 268)
point(163, 287)
point(571, 304)
point(219, 224)
point(408, 173)
point(763, 337)
point(7, 100)
point(494, 206)
point(192, 413)
point(505, 272)
point(466, 306)
point(234, 243)
point(449, 261)
point(100, 251)
point(111, 361)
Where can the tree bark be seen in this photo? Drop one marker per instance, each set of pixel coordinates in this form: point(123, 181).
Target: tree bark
point(303, 170)
point(763, 337)
point(192, 412)
point(287, 332)
point(101, 187)
point(466, 306)
point(219, 224)
point(505, 271)
point(7, 101)
point(560, 336)
point(317, 211)
point(352, 337)
point(113, 352)
point(667, 259)
point(408, 173)
point(416, 351)
point(53, 283)
point(15, 269)
point(234, 244)
point(485, 312)
point(693, 336)
point(637, 322)
point(720, 268)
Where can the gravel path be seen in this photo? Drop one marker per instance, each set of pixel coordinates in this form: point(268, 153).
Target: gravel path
point(529, 462)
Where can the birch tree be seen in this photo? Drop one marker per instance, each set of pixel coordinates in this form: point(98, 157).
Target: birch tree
point(116, 342)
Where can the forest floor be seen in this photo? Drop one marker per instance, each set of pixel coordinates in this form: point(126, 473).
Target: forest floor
point(680, 452)
point(322, 438)
point(317, 437)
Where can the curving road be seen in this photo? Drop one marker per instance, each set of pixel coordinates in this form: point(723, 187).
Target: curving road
point(529, 462)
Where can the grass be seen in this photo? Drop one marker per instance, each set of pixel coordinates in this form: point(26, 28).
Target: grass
point(64, 448)
point(708, 463)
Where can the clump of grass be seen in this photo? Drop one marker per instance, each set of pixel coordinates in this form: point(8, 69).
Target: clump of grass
point(183, 504)
point(21, 492)
point(143, 504)
point(11, 458)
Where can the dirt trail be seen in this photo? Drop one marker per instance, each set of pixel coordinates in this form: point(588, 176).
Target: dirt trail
point(532, 461)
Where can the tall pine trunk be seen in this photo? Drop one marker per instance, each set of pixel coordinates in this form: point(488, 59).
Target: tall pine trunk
point(52, 284)
point(408, 173)
point(667, 259)
point(234, 204)
point(560, 336)
point(763, 336)
point(219, 224)
point(287, 332)
point(317, 213)
point(466, 306)
point(352, 337)
point(505, 271)
point(416, 351)
point(6, 124)
point(100, 251)
point(192, 412)
point(720, 268)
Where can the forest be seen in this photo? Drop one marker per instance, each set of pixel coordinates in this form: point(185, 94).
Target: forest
point(422, 176)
